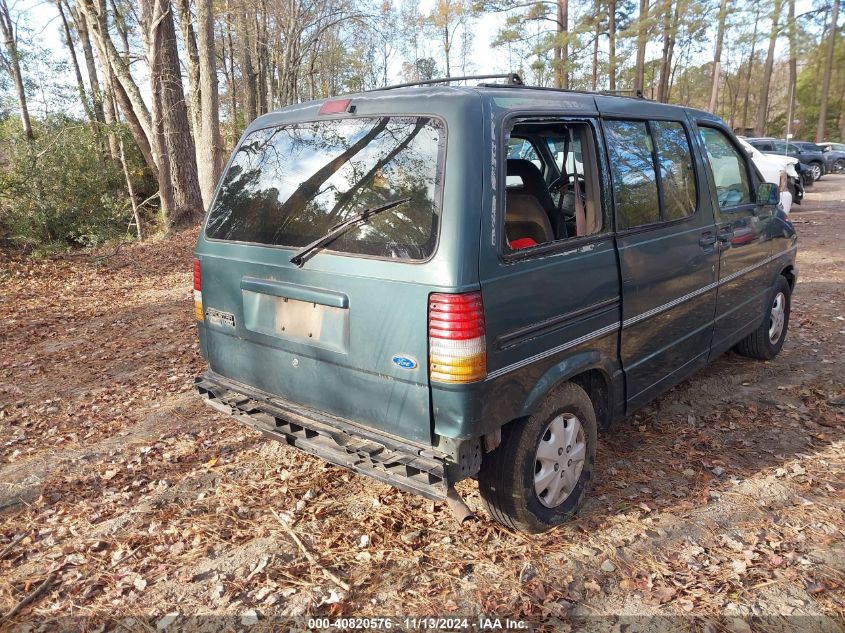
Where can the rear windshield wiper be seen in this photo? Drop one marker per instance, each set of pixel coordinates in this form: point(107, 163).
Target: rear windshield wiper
point(338, 229)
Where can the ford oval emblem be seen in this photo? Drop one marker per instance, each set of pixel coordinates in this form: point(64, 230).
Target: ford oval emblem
point(405, 362)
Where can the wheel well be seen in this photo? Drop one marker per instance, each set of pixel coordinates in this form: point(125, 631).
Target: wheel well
point(597, 386)
point(789, 273)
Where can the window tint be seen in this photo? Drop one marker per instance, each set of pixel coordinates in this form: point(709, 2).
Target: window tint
point(634, 178)
point(289, 185)
point(677, 175)
point(730, 172)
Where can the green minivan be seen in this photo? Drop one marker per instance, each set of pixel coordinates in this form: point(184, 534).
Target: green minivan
point(430, 283)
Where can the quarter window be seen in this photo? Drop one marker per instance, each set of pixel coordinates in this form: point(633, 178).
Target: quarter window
point(677, 177)
point(634, 177)
point(730, 173)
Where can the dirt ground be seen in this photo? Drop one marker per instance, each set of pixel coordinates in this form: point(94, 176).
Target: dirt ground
point(122, 496)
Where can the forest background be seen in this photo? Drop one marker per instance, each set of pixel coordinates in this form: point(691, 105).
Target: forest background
point(116, 117)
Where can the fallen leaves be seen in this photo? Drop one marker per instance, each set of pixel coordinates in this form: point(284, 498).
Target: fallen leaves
point(727, 486)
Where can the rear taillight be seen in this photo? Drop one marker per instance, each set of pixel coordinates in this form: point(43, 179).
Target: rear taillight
point(456, 338)
point(198, 289)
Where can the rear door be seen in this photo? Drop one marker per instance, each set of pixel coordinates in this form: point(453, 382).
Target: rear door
point(552, 304)
point(667, 251)
point(346, 333)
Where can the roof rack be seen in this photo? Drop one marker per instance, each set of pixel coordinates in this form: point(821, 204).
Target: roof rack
point(513, 79)
point(636, 93)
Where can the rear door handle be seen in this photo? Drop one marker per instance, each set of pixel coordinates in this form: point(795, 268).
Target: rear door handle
point(707, 240)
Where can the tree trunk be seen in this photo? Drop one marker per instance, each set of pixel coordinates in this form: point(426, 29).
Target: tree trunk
point(563, 38)
point(717, 57)
point(793, 66)
point(233, 93)
point(595, 75)
point(177, 165)
point(763, 103)
point(247, 72)
point(260, 47)
point(7, 29)
point(665, 59)
point(118, 69)
point(828, 67)
point(122, 29)
point(90, 66)
point(80, 83)
point(642, 35)
point(209, 143)
point(446, 49)
point(611, 44)
point(750, 67)
point(189, 38)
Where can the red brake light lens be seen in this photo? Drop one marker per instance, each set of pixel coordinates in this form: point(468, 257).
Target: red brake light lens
point(197, 274)
point(335, 106)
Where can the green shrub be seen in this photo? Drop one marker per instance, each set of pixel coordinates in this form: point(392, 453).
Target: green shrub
point(63, 189)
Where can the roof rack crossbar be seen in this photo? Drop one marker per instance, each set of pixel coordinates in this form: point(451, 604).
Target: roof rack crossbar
point(513, 79)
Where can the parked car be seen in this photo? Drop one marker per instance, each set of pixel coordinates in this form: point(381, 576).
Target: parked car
point(806, 174)
point(814, 159)
point(839, 155)
point(779, 170)
point(371, 288)
point(834, 160)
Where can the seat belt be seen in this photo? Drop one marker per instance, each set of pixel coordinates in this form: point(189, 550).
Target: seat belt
point(580, 215)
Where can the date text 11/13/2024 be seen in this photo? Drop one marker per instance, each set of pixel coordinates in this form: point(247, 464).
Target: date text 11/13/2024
point(480, 623)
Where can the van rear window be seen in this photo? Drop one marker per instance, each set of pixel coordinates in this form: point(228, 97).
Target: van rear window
point(289, 185)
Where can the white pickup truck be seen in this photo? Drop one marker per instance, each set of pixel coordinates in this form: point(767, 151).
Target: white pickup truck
point(779, 170)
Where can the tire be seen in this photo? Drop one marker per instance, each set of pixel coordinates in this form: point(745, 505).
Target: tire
point(817, 171)
point(839, 166)
point(761, 343)
point(507, 478)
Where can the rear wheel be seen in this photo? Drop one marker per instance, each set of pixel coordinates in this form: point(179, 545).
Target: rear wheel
point(839, 165)
point(767, 340)
point(816, 170)
point(539, 475)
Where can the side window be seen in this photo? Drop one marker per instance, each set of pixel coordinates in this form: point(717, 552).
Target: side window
point(559, 202)
point(634, 178)
point(677, 175)
point(730, 172)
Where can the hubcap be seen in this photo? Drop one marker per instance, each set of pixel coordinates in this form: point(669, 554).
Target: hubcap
point(817, 172)
point(559, 459)
point(777, 317)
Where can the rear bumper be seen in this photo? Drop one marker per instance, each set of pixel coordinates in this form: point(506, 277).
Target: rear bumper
point(410, 467)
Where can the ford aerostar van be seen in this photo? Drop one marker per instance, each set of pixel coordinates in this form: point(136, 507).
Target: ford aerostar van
point(431, 283)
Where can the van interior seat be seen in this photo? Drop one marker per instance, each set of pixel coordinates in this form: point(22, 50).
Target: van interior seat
point(525, 218)
point(528, 208)
point(532, 182)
